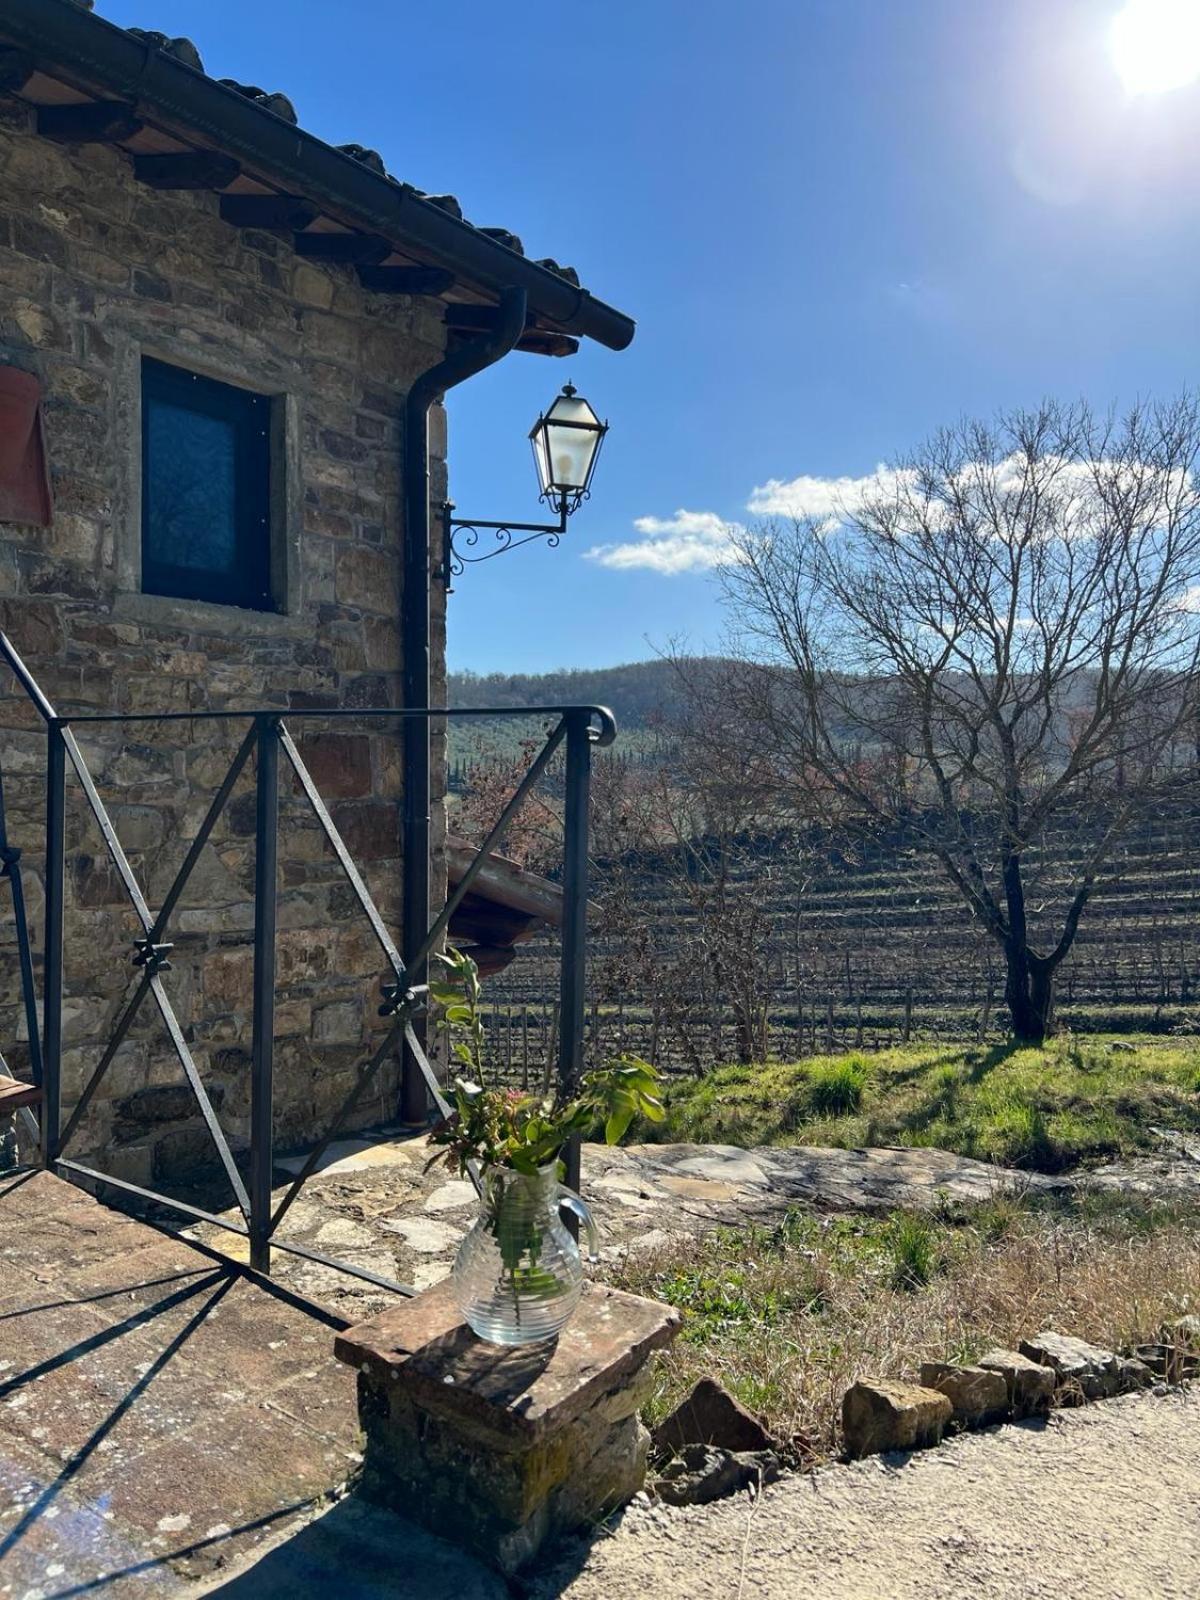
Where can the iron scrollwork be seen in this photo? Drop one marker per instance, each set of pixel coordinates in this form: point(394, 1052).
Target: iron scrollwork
point(461, 539)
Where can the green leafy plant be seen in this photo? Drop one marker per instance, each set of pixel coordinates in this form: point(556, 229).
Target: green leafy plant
point(514, 1135)
point(515, 1128)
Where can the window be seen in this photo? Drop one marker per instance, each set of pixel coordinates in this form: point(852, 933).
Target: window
point(206, 489)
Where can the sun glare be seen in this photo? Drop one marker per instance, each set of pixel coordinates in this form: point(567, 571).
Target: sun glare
point(1155, 44)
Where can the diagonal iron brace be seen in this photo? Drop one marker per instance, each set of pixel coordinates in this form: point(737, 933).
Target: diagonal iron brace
point(151, 951)
point(366, 1076)
point(345, 860)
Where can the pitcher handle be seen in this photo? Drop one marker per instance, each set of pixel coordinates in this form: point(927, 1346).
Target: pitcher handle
point(568, 1200)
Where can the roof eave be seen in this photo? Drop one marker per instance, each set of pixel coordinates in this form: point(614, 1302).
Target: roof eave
point(61, 34)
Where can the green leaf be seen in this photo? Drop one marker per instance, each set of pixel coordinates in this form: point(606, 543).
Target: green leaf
point(618, 1122)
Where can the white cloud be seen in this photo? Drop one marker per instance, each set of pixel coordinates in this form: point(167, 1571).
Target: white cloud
point(690, 541)
point(698, 541)
point(832, 498)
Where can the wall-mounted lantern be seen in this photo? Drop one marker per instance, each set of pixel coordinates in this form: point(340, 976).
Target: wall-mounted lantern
point(566, 442)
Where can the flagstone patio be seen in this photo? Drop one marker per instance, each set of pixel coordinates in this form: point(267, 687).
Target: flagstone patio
point(164, 1420)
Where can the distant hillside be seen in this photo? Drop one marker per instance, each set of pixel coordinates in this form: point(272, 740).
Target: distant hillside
point(639, 694)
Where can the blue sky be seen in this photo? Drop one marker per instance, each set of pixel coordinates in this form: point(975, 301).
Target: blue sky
point(838, 223)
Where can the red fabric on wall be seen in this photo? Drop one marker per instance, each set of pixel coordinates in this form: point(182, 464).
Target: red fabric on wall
point(24, 478)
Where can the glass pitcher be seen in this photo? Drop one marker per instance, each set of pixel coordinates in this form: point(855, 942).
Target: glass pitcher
point(518, 1274)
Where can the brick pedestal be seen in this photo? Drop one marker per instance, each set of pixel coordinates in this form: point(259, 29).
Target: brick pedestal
point(504, 1450)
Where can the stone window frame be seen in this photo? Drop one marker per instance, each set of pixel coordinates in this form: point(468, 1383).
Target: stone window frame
point(286, 502)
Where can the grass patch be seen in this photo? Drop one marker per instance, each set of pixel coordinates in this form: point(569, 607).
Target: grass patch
point(1047, 1109)
point(789, 1317)
point(913, 1243)
point(835, 1088)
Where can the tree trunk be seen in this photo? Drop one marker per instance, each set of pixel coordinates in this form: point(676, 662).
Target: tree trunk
point(1029, 985)
point(1029, 993)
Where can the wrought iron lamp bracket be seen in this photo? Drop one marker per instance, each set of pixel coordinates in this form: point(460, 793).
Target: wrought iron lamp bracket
point(459, 553)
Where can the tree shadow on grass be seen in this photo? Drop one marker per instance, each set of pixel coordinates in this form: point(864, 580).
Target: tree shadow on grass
point(994, 1057)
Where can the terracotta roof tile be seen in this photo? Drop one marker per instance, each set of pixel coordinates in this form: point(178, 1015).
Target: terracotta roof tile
point(184, 50)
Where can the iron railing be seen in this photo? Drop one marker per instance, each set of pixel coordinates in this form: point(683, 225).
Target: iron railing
point(576, 729)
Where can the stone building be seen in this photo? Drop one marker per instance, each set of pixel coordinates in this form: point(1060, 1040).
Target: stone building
point(210, 322)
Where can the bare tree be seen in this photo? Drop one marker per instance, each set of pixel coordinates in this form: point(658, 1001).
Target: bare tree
point(691, 887)
point(534, 836)
point(1003, 633)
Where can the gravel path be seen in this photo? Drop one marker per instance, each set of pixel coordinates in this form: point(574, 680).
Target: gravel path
point(1098, 1504)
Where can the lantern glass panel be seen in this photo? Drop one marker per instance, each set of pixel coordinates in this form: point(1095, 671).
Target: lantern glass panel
point(570, 449)
point(541, 460)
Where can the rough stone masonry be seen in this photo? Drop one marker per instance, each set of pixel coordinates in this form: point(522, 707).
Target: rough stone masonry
point(505, 1450)
point(95, 272)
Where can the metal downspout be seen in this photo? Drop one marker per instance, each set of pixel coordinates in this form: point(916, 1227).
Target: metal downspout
point(464, 363)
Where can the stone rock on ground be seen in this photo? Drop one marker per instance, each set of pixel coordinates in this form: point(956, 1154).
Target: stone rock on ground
point(1075, 1363)
point(1030, 1386)
point(710, 1415)
point(1101, 1505)
point(1171, 1177)
point(701, 1473)
point(1167, 1361)
point(979, 1396)
point(1133, 1374)
point(892, 1416)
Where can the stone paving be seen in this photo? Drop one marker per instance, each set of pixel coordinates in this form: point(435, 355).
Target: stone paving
point(379, 1205)
point(163, 1419)
point(165, 1422)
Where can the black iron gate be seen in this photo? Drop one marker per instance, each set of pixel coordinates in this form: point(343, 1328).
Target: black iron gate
point(576, 729)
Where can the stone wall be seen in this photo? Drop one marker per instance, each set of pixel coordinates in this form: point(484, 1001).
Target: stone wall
point(96, 270)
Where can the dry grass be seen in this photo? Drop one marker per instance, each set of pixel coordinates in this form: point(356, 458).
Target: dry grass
point(788, 1318)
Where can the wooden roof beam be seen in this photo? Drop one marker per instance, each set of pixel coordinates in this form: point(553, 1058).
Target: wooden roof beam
point(16, 69)
point(14, 1095)
point(536, 340)
point(349, 249)
point(189, 169)
point(91, 122)
point(406, 280)
point(268, 211)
